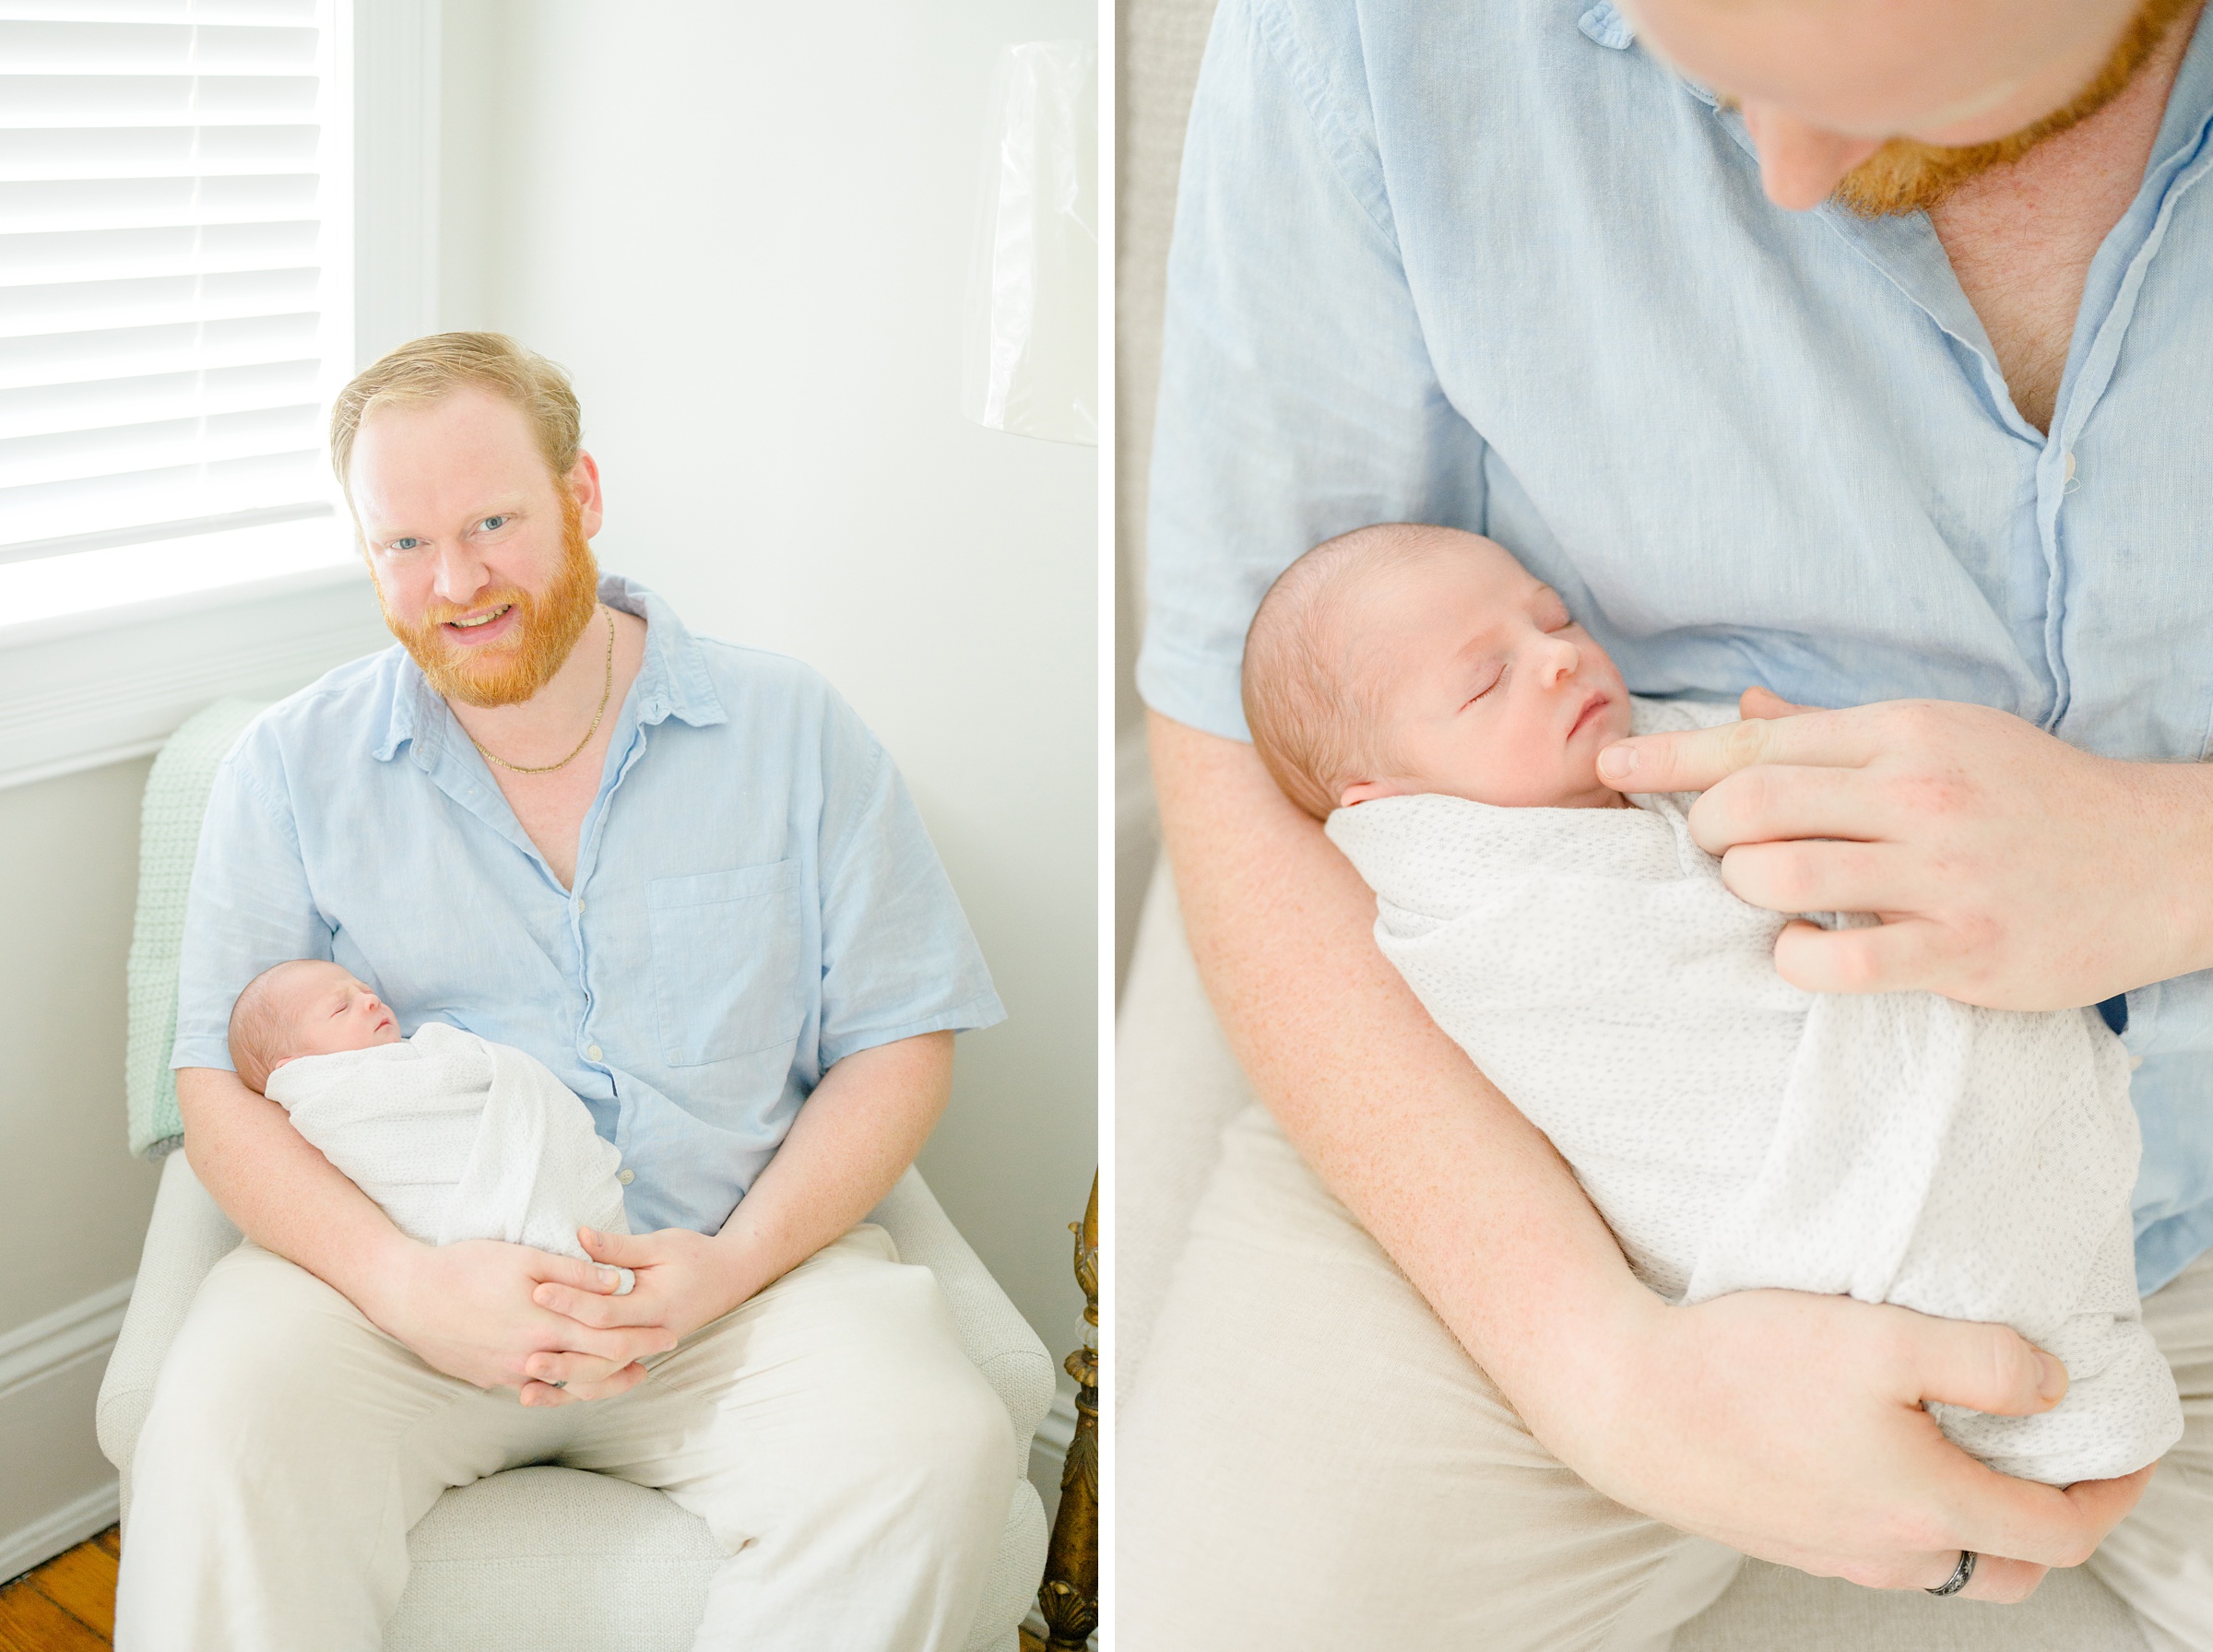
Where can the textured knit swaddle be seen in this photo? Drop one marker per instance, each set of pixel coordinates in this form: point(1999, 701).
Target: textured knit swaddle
point(1738, 1133)
point(458, 1137)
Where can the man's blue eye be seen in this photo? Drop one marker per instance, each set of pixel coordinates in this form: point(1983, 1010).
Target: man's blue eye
point(405, 544)
point(492, 524)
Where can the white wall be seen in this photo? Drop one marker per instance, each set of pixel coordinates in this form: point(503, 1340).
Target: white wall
point(744, 228)
point(73, 1201)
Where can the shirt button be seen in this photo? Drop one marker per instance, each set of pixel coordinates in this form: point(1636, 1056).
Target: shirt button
point(2134, 1062)
point(580, 905)
point(592, 1050)
point(626, 1176)
point(2070, 465)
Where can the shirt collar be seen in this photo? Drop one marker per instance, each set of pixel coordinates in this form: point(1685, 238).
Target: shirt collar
point(673, 681)
point(2189, 105)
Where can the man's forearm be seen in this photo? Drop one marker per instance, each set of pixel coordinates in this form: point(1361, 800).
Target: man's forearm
point(1466, 1196)
point(280, 1191)
point(853, 1139)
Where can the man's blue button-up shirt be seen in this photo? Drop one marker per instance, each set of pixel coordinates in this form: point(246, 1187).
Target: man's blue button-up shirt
point(1492, 265)
point(755, 899)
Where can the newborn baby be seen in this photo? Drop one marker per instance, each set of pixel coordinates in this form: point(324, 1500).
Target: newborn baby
point(455, 1137)
point(1420, 691)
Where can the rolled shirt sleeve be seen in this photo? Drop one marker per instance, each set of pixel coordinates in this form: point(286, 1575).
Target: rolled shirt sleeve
point(1298, 399)
point(249, 906)
point(898, 957)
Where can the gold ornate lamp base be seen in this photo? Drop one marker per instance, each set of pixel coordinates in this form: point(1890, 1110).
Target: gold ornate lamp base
point(1069, 1599)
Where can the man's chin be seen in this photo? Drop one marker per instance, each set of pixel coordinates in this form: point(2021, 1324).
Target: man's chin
point(486, 682)
point(1906, 176)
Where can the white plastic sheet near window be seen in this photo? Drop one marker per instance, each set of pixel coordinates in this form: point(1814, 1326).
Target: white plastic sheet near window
point(1030, 358)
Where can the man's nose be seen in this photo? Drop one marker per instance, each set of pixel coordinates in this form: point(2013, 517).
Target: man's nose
point(460, 576)
point(1801, 164)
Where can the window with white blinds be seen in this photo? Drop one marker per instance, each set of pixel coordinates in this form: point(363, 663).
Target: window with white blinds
point(176, 243)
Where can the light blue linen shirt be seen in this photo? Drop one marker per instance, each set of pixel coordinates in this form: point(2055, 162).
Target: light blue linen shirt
point(1492, 265)
point(755, 899)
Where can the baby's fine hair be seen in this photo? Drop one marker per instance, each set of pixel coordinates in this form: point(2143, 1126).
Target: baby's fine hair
point(1313, 724)
point(258, 1029)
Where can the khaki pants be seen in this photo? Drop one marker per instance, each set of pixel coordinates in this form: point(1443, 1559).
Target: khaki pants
point(1310, 1461)
point(831, 1433)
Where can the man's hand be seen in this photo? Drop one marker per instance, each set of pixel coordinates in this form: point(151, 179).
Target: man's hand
point(1835, 1468)
point(685, 1280)
point(854, 1138)
point(2009, 869)
point(467, 1310)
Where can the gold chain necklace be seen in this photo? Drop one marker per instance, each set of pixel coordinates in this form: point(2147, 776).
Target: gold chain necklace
point(606, 689)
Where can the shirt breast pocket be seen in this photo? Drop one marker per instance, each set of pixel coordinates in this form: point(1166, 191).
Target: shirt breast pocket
point(726, 962)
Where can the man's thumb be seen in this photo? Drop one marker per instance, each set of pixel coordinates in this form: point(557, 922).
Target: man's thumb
point(1987, 1368)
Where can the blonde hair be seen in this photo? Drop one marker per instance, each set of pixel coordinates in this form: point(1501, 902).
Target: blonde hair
point(1313, 724)
point(258, 1029)
point(432, 369)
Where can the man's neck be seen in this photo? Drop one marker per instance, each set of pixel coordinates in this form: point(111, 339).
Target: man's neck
point(2022, 237)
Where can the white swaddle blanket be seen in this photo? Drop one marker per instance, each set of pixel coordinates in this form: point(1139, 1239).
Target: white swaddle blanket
point(458, 1137)
point(1738, 1133)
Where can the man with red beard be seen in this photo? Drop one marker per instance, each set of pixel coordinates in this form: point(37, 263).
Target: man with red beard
point(1850, 350)
point(683, 876)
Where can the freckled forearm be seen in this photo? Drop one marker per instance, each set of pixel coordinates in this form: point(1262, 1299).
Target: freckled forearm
point(2180, 799)
point(1466, 1196)
point(854, 1138)
point(279, 1190)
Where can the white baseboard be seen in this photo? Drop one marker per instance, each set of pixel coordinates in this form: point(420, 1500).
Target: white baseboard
point(56, 1348)
point(81, 1330)
point(63, 1529)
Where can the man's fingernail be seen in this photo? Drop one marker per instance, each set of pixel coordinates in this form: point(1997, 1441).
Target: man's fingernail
point(2053, 1384)
point(608, 1275)
point(1617, 762)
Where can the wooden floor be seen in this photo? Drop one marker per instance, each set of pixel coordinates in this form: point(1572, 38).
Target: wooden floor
point(67, 1605)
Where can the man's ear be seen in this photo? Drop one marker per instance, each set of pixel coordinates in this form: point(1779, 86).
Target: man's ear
point(1367, 791)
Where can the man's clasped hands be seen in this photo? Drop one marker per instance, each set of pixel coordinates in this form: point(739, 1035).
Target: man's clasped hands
point(507, 1316)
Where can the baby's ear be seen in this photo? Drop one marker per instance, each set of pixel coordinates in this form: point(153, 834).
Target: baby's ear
point(1367, 791)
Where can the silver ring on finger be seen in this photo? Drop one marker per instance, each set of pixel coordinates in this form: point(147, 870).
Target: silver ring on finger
point(1960, 1574)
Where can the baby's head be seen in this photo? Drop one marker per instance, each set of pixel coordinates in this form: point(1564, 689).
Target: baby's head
point(303, 1008)
point(1400, 659)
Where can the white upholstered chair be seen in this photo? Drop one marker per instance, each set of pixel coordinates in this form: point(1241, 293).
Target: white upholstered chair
point(546, 1559)
point(535, 1559)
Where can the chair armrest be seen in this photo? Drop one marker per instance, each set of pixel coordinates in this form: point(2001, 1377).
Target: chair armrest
point(998, 1339)
point(187, 1236)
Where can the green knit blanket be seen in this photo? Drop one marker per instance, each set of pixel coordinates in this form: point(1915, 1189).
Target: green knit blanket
point(168, 838)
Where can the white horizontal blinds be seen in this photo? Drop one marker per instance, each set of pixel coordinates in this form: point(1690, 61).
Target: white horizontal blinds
point(173, 296)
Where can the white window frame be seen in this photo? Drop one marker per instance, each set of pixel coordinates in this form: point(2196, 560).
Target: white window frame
point(90, 679)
